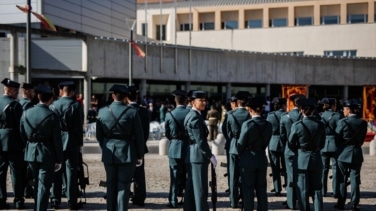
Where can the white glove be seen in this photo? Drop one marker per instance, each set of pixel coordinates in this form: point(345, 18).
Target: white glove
point(213, 160)
point(57, 166)
point(139, 162)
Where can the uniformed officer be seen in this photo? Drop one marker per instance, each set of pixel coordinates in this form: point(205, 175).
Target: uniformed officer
point(139, 184)
point(287, 119)
point(254, 138)
point(228, 140)
point(11, 145)
point(328, 153)
point(189, 101)
point(120, 136)
point(175, 132)
point(306, 139)
point(26, 102)
point(40, 127)
point(352, 131)
point(234, 123)
point(71, 117)
point(198, 156)
point(213, 117)
point(276, 146)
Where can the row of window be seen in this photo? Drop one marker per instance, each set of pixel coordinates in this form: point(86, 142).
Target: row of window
point(342, 53)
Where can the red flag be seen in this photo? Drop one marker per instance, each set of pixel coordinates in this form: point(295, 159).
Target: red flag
point(138, 50)
point(43, 19)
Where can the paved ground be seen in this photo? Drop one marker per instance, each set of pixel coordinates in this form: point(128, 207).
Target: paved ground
point(157, 172)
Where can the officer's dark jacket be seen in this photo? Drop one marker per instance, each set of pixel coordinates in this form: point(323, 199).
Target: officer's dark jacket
point(274, 118)
point(145, 121)
point(352, 131)
point(25, 103)
point(254, 138)
point(44, 141)
point(234, 124)
point(287, 119)
point(224, 129)
point(198, 150)
point(307, 138)
point(175, 132)
point(330, 120)
point(10, 115)
point(125, 142)
point(71, 117)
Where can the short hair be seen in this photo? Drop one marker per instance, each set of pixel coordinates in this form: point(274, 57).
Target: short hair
point(119, 96)
point(45, 97)
point(180, 99)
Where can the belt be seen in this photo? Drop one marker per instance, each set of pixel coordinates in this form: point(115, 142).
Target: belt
point(37, 140)
point(179, 137)
point(250, 148)
point(119, 136)
point(191, 142)
point(309, 150)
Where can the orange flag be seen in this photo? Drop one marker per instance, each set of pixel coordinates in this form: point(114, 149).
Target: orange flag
point(369, 102)
point(288, 90)
point(43, 19)
point(138, 50)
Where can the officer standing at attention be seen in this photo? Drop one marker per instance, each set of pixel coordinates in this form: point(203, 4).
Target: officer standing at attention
point(71, 117)
point(139, 185)
point(213, 119)
point(11, 145)
point(120, 136)
point(287, 119)
point(254, 138)
point(26, 103)
point(330, 118)
point(306, 139)
point(175, 132)
point(198, 156)
point(276, 146)
point(40, 127)
point(352, 131)
point(234, 123)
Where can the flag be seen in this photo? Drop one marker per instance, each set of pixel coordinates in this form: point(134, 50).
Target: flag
point(138, 50)
point(287, 91)
point(47, 24)
point(369, 102)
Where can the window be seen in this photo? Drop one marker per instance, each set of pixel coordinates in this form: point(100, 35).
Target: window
point(278, 22)
point(253, 24)
point(297, 53)
point(230, 25)
point(144, 29)
point(303, 21)
point(161, 35)
point(362, 18)
point(344, 53)
point(207, 26)
point(330, 20)
point(185, 27)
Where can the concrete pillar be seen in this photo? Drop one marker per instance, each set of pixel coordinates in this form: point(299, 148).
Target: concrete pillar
point(187, 86)
point(371, 11)
point(164, 143)
point(316, 14)
point(265, 18)
point(241, 19)
point(13, 55)
point(143, 88)
point(218, 145)
point(267, 90)
point(228, 91)
point(217, 20)
point(343, 13)
point(195, 20)
point(87, 97)
point(291, 16)
point(345, 92)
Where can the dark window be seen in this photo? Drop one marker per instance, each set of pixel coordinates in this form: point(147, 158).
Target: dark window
point(330, 20)
point(303, 21)
point(144, 29)
point(297, 53)
point(161, 35)
point(253, 24)
point(362, 18)
point(207, 26)
point(185, 27)
point(344, 53)
point(278, 22)
point(230, 25)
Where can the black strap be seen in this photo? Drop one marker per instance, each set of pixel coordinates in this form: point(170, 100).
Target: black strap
point(278, 120)
point(2, 118)
point(237, 124)
point(117, 118)
point(181, 128)
point(327, 123)
point(63, 122)
point(35, 129)
point(352, 130)
point(311, 136)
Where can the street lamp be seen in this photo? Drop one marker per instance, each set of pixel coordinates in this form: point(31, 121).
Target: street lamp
point(131, 23)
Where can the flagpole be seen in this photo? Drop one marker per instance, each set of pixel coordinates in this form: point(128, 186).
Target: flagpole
point(131, 23)
point(28, 41)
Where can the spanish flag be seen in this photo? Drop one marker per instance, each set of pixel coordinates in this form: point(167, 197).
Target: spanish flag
point(138, 50)
point(47, 24)
point(288, 90)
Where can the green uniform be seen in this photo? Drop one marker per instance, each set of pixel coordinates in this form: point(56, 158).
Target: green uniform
point(306, 138)
point(120, 136)
point(197, 159)
point(71, 117)
point(276, 148)
point(234, 123)
point(11, 149)
point(139, 190)
point(287, 119)
point(254, 138)
point(328, 152)
point(41, 128)
point(175, 132)
point(352, 131)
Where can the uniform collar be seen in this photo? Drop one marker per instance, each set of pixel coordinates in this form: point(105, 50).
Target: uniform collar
point(196, 110)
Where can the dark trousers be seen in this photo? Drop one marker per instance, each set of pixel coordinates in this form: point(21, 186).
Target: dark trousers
point(69, 172)
point(43, 176)
point(254, 180)
point(278, 166)
point(326, 158)
point(234, 180)
point(309, 184)
point(213, 132)
point(291, 180)
point(139, 185)
point(13, 160)
point(177, 179)
point(196, 189)
point(119, 178)
point(354, 169)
